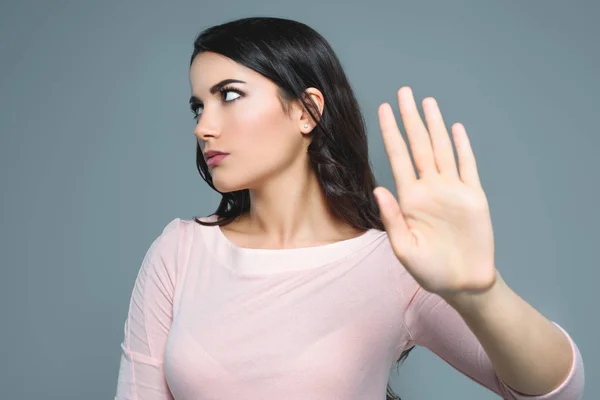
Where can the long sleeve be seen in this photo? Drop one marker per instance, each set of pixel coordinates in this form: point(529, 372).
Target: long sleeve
point(141, 375)
point(434, 324)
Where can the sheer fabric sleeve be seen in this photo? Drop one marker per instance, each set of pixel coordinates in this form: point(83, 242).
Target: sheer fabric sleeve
point(432, 323)
point(148, 322)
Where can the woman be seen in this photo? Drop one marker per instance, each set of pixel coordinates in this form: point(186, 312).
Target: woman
point(309, 281)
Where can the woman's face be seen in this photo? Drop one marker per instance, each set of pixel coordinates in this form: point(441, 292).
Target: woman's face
point(245, 120)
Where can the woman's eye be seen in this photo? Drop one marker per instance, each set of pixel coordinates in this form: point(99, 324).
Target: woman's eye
point(235, 93)
point(197, 109)
point(196, 112)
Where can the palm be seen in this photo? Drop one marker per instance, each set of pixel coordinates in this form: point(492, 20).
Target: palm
point(440, 228)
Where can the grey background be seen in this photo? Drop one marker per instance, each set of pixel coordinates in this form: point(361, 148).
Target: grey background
point(97, 155)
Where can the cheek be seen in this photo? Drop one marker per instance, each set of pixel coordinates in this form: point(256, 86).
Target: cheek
point(244, 119)
point(259, 129)
point(261, 142)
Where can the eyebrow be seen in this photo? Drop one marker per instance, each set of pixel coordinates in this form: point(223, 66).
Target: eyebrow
point(215, 88)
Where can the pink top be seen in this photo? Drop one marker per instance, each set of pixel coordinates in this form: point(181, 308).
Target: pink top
point(209, 320)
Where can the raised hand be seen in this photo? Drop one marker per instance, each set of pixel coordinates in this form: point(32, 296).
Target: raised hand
point(440, 227)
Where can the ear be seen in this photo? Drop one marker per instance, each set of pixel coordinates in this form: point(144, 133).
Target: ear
point(306, 122)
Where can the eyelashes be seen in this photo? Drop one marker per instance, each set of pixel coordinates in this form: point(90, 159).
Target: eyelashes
point(195, 107)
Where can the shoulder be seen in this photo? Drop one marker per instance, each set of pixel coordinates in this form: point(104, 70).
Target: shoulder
point(177, 232)
point(181, 236)
point(170, 248)
point(170, 236)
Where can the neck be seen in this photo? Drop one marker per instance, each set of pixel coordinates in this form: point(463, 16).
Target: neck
point(288, 211)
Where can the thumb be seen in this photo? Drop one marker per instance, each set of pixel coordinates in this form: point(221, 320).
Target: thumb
point(392, 218)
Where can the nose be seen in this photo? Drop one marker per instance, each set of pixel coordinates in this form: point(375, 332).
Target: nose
point(206, 128)
point(203, 132)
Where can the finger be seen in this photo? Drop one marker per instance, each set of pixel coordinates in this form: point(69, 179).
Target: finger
point(440, 140)
point(392, 218)
point(416, 132)
point(466, 158)
point(395, 147)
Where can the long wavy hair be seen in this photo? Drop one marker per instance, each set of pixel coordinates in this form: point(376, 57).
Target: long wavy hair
point(296, 57)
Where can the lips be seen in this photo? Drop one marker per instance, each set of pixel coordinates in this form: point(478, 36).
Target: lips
point(214, 157)
point(212, 153)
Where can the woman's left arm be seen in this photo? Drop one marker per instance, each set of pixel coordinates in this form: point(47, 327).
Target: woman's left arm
point(529, 352)
point(496, 348)
point(440, 229)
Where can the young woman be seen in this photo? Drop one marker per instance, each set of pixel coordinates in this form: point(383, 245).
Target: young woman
point(309, 280)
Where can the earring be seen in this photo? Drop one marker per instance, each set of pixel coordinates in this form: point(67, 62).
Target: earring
point(305, 126)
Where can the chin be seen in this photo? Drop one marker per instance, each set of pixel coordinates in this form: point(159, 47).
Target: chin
point(227, 185)
point(227, 180)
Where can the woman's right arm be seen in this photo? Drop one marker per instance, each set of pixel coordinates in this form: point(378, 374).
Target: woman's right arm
point(141, 375)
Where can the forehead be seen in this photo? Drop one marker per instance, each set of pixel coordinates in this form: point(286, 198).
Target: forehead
point(209, 68)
